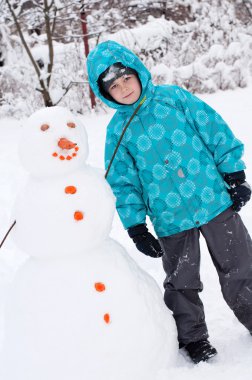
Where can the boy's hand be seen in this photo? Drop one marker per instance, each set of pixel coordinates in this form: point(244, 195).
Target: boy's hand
point(240, 190)
point(145, 241)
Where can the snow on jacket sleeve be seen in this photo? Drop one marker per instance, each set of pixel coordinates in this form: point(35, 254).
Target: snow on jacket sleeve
point(124, 181)
point(226, 149)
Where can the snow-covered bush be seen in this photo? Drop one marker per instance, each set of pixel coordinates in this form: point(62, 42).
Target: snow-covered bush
point(210, 53)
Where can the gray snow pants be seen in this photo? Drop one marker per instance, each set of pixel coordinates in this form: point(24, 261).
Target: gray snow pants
point(230, 247)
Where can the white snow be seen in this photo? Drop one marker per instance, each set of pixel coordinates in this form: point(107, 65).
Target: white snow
point(231, 339)
point(113, 73)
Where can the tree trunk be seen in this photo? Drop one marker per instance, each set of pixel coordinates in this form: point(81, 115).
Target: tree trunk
point(86, 45)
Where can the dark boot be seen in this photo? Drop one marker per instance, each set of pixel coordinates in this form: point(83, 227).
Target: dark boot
point(200, 351)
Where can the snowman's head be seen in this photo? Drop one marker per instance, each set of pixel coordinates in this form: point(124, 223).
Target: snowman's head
point(53, 142)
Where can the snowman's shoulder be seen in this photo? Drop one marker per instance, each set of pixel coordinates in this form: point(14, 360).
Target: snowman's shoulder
point(95, 172)
point(96, 177)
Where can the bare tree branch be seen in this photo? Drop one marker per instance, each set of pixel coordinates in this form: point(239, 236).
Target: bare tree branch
point(68, 88)
point(50, 6)
point(49, 39)
point(247, 8)
point(36, 4)
point(54, 20)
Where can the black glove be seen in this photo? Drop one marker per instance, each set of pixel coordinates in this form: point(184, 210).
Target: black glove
point(240, 191)
point(145, 241)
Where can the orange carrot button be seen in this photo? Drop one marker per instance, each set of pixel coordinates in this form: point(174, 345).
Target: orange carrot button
point(70, 189)
point(61, 158)
point(55, 154)
point(78, 215)
point(106, 318)
point(100, 287)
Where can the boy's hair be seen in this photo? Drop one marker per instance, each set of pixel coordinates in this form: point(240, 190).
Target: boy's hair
point(112, 73)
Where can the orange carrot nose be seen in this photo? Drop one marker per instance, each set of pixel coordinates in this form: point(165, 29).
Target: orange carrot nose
point(66, 144)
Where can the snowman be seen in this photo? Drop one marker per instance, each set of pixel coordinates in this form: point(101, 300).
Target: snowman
point(79, 308)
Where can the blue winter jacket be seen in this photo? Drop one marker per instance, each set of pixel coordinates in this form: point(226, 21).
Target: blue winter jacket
point(171, 161)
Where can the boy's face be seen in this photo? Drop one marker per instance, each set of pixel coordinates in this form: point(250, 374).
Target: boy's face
point(126, 89)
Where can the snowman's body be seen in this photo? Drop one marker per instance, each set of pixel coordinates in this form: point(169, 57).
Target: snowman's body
point(80, 308)
point(49, 217)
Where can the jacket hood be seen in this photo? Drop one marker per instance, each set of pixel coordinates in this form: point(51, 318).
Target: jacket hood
point(103, 56)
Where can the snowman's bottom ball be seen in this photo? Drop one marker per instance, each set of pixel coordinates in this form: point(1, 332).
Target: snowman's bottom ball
point(98, 317)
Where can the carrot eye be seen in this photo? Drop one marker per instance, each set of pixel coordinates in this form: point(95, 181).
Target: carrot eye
point(71, 124)
point(44, 127)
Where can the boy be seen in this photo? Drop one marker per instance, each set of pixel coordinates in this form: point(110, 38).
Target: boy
point(179, 163)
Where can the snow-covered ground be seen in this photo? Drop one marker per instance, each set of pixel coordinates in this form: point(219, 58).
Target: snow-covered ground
point(231, 339)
